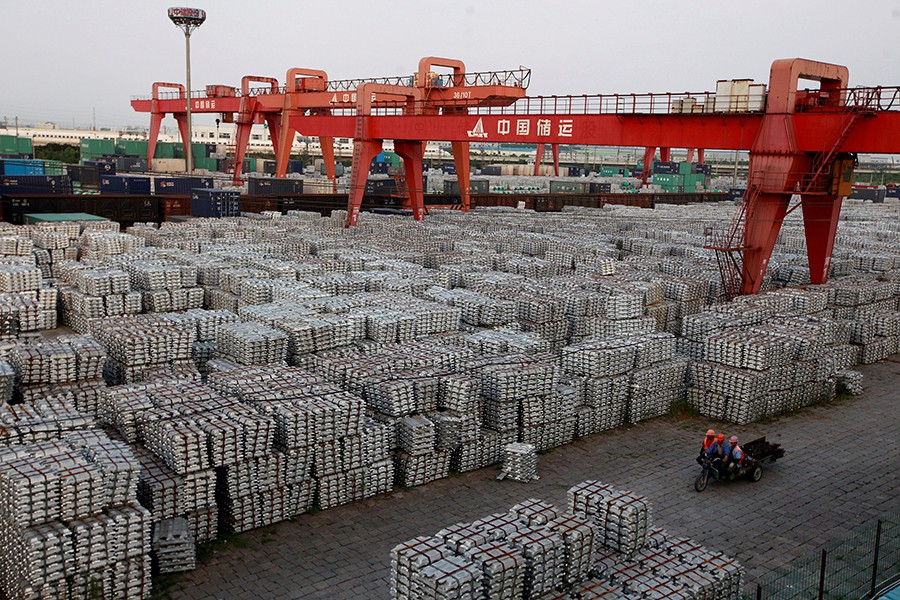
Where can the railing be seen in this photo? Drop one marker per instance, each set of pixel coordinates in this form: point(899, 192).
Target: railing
point(869, 98)
point(863, 565)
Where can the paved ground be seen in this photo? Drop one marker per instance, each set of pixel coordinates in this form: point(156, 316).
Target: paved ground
point(840, 471)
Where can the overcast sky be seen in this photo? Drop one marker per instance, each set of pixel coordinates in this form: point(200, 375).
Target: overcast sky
point(64, 59)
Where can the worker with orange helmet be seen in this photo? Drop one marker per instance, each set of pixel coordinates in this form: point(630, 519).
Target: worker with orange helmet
point(708, 441)
point(719, 451)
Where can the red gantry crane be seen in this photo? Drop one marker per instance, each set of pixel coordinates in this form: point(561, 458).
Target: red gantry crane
point(801, 142)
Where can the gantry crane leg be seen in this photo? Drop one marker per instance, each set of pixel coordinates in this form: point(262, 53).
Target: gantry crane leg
point(326, 143)
point(760, 232)
point(461, 160)
point(820, 219)
point(538, 158)
point(155, 122)
point(181, 120)
point(649, 154)
point(363, 153)
point(411, 153)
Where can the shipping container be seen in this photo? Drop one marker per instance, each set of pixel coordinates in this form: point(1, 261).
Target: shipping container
point(132, 148)
point(87, 176)
point(182, 186)
point(274, 186)
point(35, 184)
point(165, 150)
point(207, 202)
point(597, 187)
point(476, 186)
point(448, 168)
point(892, 192)
point(93, 148)
point(103, 167)
point(492, 170)
point(124, 184)
point(876, 195)
point(735, 194)
point(169, 165)
point(9, 145)
point(567, 187)
point(384, 187)
point(15, 166)
point(295, 166)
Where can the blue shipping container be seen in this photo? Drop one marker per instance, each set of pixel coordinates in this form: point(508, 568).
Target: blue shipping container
point(104, 167)
point(179, 186)
point(215, 203)
point(35, 184)
point(13, 166)
point(272, 186)
point(124, 184)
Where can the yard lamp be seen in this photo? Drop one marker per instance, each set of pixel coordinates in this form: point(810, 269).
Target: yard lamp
point(188, 19)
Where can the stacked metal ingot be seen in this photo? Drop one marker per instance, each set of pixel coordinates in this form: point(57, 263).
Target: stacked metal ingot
point(622, 517)
point(698, 572)
point(82, 386)
point(173, 546)
point(71, 525)
point(48, 418)
point(251, 343)
point(520, 462)
point(145, 346)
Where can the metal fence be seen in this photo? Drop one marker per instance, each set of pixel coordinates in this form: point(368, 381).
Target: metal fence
point(861, 566)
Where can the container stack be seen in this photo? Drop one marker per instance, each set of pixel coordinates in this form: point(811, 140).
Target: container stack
point(71, 526)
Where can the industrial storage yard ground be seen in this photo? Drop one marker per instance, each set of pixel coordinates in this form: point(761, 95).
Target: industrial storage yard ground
point(839, 472)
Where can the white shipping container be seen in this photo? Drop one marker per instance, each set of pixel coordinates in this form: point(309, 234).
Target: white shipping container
point(723, 95)
point(740, 93)
point(168, 165)
point(757, 97)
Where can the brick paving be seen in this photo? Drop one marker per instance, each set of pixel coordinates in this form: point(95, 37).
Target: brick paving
point(839, 471)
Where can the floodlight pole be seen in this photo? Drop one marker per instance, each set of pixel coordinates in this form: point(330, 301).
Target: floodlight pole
point(189, 158)
point(188, 19)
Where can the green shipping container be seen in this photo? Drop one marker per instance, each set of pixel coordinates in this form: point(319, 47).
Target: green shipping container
point(132, 148)
point(164, 150)
point(202, 162)
point(685, 168)
point(249, 165)
point(198, 150)
point(9, 144)
point(95, 148)
point(24, 145)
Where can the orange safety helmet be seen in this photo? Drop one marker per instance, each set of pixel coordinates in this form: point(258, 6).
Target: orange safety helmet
point(710, 432)
point(721, 437)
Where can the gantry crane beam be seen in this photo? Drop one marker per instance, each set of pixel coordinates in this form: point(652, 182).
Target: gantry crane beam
point(800, 141)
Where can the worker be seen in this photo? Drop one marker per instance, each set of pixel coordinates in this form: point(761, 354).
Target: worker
point(708, 441)
point(719, 451)
point(735, 454)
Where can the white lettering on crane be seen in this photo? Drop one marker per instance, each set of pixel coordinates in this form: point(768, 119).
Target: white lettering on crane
point(503, 126)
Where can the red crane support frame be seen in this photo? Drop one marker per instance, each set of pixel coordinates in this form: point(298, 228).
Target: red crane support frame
point(794, 142)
